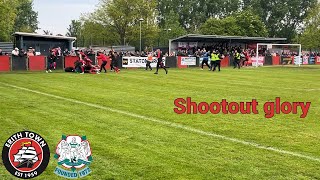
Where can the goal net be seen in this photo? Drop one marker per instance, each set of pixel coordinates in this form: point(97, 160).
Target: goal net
point(290, 53)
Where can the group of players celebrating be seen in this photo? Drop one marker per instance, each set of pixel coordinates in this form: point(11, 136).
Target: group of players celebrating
point(240, 59)
point(85, 64)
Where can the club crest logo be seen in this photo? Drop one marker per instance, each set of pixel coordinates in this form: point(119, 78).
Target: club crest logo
point(74, 157)
point(25, 154)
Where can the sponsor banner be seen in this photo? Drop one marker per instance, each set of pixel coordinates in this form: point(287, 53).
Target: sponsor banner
point(182, 44)
point(186, 44)
point(188, 61)
point(288, 60)
point(257, 61)
point(136, 62)
point(312, 60)
point(193, 44)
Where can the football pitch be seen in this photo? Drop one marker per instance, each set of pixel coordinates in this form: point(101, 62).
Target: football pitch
point(134, 133)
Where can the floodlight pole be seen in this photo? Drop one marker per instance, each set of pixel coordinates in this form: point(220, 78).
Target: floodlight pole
point(140, 34)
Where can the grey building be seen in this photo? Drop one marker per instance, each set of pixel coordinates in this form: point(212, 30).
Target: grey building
point(42, 43)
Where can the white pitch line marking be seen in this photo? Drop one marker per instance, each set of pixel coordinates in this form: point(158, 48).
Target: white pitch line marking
point(171, 124)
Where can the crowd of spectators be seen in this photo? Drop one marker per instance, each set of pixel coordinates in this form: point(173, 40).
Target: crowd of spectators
point(230, 50)
point(89, 52)
point(224, 49)
point(194, 51)
point(22, 53)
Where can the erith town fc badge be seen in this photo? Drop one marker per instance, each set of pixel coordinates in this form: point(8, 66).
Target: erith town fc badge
point(25, 154)
point(74, 156)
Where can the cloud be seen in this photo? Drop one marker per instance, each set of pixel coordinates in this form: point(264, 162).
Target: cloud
point(56, 16)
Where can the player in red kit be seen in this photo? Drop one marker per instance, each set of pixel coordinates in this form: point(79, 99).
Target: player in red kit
point(104, 60)
point(160, 63)
point(245, 59)
point(82, 58)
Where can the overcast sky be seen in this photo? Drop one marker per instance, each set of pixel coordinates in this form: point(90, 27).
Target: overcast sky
point(56, 15)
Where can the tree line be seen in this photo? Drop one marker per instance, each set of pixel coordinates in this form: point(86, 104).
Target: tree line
point(117, 22)
point(17, 16)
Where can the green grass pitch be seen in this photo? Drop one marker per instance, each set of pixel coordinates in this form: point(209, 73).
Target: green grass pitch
point(127, 146)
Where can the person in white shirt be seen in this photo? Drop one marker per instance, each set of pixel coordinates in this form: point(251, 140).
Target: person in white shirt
point(15, 52)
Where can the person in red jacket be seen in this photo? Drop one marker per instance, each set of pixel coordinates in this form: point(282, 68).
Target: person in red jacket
point(104, 60)
point(82, 58)
point(245, 59)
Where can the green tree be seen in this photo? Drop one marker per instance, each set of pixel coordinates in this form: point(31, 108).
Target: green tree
point(26, 19)
point(244, 23)
point(171, 29)
point(192, 14)
point(8, 15)
point(93, 33)
point(122, 18)
point(249, 24)
point(310, 38)
point(281, 17)
point(214, 26)
point(74, 29)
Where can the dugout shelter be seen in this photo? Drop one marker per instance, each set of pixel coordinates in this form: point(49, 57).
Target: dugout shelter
point(197, 41)
point(42, 43)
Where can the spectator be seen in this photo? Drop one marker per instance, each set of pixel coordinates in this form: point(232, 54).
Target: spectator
point(22, 53)
point(34, 52)
point(89, 52)
point(58, 52)
point(73, 53)
point(30, 52)
point(15, 52)
point(1, 52)
point(66, 52)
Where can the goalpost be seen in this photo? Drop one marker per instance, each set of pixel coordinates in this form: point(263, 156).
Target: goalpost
point(280, 51)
